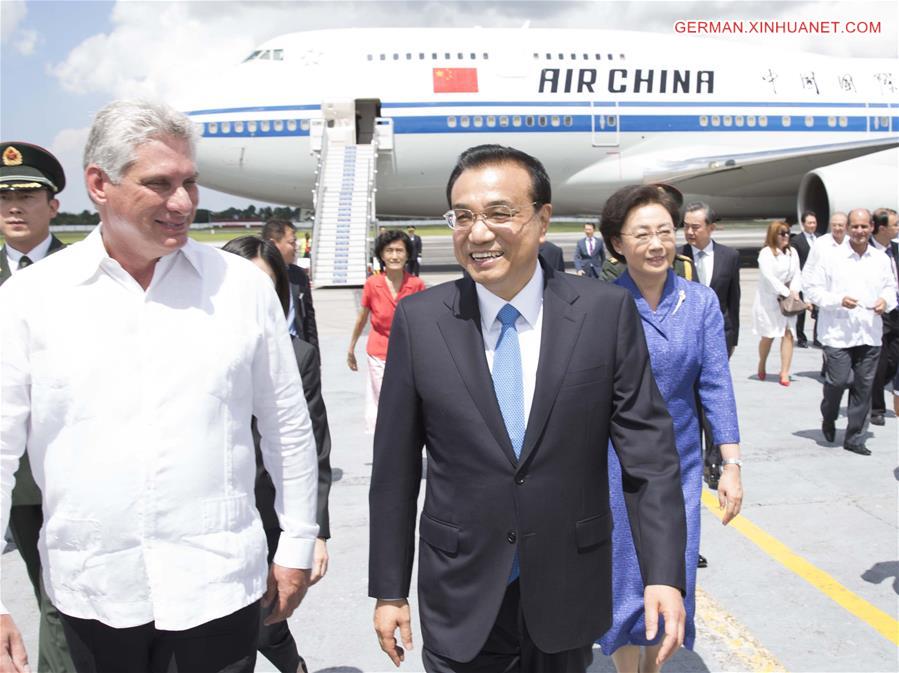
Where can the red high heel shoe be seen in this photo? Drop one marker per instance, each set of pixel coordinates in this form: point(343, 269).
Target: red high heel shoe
point(785, 382)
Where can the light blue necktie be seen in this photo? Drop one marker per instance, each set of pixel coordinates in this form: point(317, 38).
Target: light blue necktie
point(507, 383)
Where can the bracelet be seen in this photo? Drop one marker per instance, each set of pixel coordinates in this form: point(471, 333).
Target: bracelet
point(732, 461)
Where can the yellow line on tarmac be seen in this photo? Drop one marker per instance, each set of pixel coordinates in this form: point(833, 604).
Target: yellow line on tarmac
point(877, 619)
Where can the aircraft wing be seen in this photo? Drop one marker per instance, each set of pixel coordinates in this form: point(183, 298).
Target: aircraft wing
point(731, 174)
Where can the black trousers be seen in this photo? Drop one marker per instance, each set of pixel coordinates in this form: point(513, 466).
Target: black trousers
point(800, 325)
point(275, 642)
point(889, 360)
point(509, 648)
point(224, 645)
point(851, 368)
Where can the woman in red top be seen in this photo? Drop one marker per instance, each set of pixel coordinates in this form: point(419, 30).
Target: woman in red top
point(379, 298)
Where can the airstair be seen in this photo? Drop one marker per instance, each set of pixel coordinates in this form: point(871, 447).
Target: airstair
point(344, 211)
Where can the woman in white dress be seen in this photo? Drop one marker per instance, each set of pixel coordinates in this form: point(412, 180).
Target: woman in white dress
point(779, 277)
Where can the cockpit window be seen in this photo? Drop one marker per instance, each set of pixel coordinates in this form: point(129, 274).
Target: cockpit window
point(266, 55)
point(277, 54)
point(255, 54)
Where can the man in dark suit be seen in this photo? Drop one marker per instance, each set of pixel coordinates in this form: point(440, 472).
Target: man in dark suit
point(515, 377)
point(301, 316)
point(717, 266)
point(803, 242)
point(886, 228)
point(413, 266)
point(30, 179)
point(552, 253)
point(589, 254)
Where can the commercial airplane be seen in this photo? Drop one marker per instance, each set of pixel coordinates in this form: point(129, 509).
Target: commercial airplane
point(756, 131)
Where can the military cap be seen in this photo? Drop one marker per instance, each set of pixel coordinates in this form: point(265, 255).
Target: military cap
point(26, 166)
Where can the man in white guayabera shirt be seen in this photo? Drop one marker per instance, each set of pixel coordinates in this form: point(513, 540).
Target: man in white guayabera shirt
point(132, 363)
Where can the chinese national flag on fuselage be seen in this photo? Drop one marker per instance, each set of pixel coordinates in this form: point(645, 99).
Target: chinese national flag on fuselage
point(455, 80)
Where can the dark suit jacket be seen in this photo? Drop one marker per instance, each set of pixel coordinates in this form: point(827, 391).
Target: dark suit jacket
point(726, 284)
point(304, 311)
point(591, 265)
point(799, 242)
point(552, 253)
point(310, 373)
point(593, 383)
point(26, 491)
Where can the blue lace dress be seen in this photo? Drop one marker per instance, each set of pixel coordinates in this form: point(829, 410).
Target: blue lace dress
point(685, 337)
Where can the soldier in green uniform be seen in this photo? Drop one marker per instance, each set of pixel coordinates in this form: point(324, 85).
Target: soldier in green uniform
point(30, 179)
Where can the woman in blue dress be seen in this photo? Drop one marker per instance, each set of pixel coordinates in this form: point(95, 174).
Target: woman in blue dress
point(684, 332)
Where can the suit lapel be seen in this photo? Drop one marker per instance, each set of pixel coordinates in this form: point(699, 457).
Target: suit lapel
point(5, 273)
point(461, 330)
point(55, 245)
point(687, 251)
point(561, 327)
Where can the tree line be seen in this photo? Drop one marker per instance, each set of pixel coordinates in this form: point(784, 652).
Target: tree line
point(249, 214)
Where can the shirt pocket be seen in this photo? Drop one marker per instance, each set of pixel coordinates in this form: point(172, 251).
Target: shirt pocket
point(231, 514)
point(71, 544)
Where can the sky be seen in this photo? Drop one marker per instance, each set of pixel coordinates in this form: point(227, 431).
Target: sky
point(61, 61)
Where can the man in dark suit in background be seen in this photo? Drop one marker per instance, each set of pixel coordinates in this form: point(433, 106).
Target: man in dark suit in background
point(30, 179)
point(552, 253)
point(515, 377)
point(589, 254)
point(301, 317)
point(413, 266)
point(886, 228)
point(803, 242)
point(717, 266)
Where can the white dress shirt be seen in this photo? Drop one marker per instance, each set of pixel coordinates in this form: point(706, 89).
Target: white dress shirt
point(823, 246)
point(135, 408)
point(529, 302)
point(708, 262)
point(36, 254)
point(865, 277)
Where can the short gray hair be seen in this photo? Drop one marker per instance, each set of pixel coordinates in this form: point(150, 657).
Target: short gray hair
point(710, 215)
point(123, 125)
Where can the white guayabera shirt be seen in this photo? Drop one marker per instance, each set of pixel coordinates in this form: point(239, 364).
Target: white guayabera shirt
point(135, 408)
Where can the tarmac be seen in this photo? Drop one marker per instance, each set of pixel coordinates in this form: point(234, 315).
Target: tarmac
point(805, 579)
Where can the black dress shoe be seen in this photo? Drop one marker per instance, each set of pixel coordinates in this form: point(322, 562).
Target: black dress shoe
point(802, 344)
point(828, 430)
point(877, 419)
point(860, 450)
point(703, 562)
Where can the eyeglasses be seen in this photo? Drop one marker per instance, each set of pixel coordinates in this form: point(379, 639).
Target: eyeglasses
point(495, 217)
point(664, 234)
point(783, 233)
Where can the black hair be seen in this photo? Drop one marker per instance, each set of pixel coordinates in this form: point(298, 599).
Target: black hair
point(626, 199)
point(251, 247)
point(710, 215)
point(805, 215)
point(273, 230)
point(880, 218)
point(388, 237)
point(484, 155)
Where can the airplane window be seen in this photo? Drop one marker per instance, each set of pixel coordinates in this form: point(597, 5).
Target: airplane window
point(265, 125)
point(279, 125)
point(396, 57)
point(750, 120)
point(304, 124)
point(809, 121)
point(611, 121)
point(786, 121)
point(844, 122)
point(574, 57)
point(251, 127)
point(491, 121)
point(716, 120)
point(421, 56)
point(529, 120)
point(621, 56)
point(451, 122)
point(885, 122)
point(703, 120)
point(478, 122)
point(486, 56)
point(541, 121)
point(291, 124)
point(278, 54)
point(212, 127)
point(561, 57)
point(446, 55)
point(238, 127)
point(516, 121)
point(383, 57)
point(434, 56)
point(549, 57)
point(555, 121)
point(460, 55)
point(536, 55)
point(266, 55)
point(473, 56)
point(763, 120)
point(408, 56)
point(567, 120)
point(370, 57)
point(738, 120)
point(831, 121)
point(504, 121)
point(226, 127)
point(608, 57)
point(586, 57)
point(465, 121)
point(728, 120)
